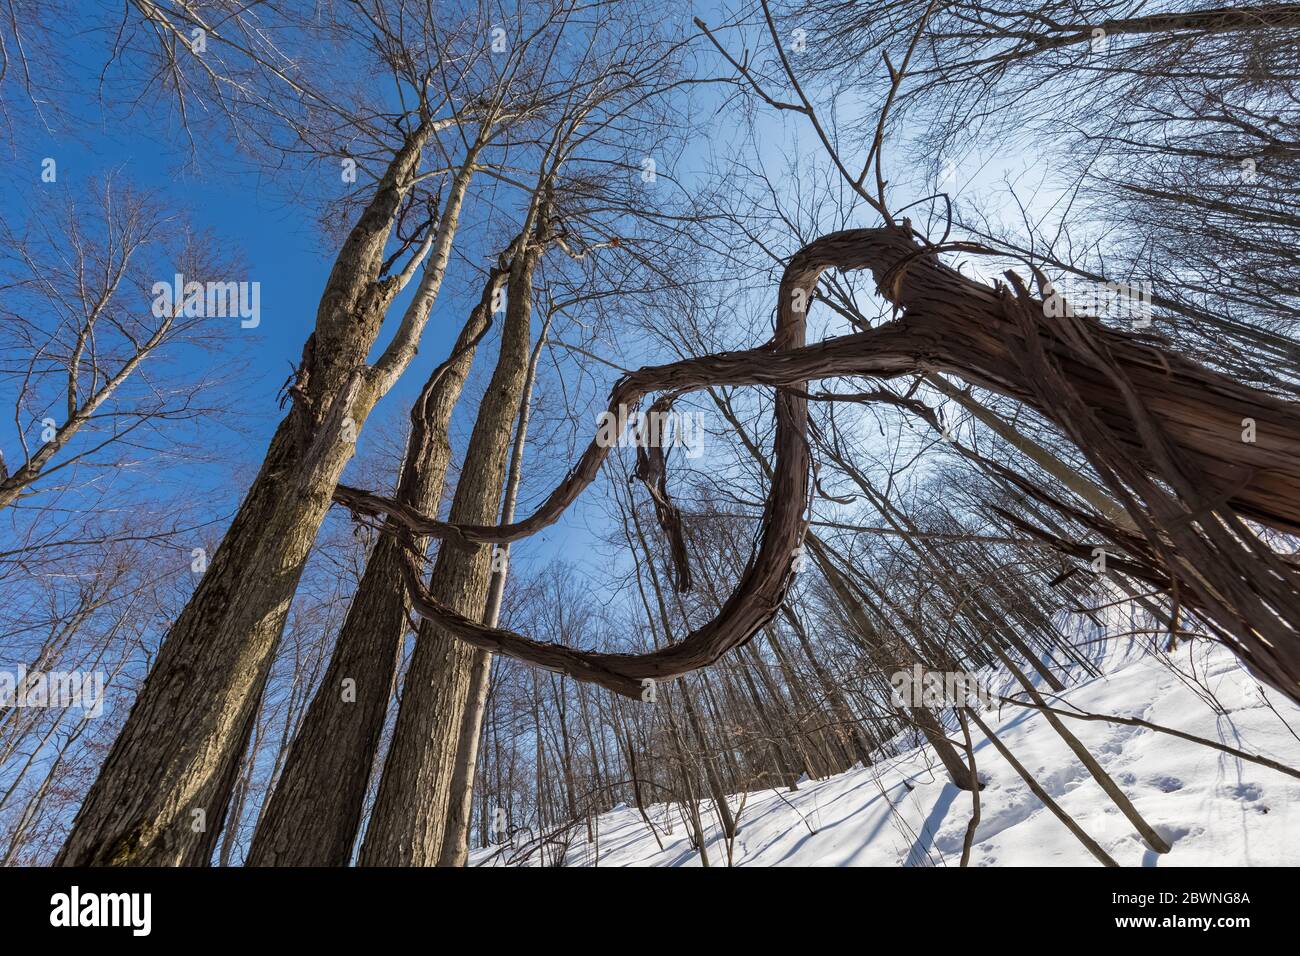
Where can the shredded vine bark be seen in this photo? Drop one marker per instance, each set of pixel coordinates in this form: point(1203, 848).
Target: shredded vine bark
point(1164, 434)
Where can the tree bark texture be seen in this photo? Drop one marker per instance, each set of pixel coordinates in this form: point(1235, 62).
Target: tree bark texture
point(408, 821)
point(313, 816)
point(162, 793)
point(1165, 434)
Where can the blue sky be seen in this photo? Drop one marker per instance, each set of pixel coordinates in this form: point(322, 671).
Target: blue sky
point(267, 218)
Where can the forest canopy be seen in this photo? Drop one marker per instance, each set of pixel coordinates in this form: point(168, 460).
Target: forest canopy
point(441, 424)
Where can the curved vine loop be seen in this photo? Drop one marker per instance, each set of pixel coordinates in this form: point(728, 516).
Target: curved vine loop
point(1163, 433)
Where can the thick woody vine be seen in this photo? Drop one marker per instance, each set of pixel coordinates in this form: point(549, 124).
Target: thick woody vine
point(1163, 433)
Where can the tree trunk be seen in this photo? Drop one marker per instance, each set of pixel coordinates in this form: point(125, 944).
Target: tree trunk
point(888, 661)
point(455, 846)
point(313, 816)
point(409, 818)
point(1165, 435)
point(162, 793)
point(1036, 789)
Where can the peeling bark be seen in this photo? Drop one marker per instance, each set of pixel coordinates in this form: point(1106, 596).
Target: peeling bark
point(1148, 420)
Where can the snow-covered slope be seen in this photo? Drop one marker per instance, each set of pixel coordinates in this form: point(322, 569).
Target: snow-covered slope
point(1214, 808)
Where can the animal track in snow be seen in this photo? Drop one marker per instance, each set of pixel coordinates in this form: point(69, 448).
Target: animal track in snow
point(1246, 792)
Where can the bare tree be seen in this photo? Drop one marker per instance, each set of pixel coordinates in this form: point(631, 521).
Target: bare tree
point(1190, 473)
point(81, 327)
point(195, 712)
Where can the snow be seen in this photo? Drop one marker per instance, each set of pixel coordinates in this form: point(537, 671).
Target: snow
point(1214, 809)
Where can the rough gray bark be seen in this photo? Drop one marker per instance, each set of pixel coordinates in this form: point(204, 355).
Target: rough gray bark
point(162, 793)
point(407, 823)
point(455, 845)
point(313, 816)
